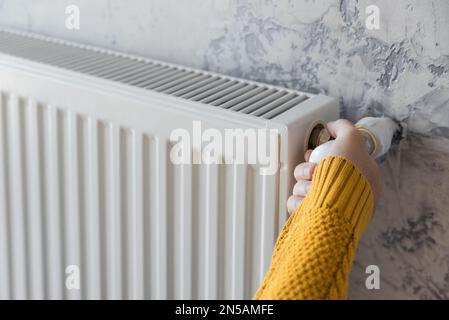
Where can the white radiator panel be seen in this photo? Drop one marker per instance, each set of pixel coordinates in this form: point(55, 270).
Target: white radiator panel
point(86, 180)
point(84, 192)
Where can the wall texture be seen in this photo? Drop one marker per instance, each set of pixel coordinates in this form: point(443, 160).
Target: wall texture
point(400, 70)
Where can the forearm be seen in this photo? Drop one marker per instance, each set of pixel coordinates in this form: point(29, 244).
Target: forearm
point(314, 252)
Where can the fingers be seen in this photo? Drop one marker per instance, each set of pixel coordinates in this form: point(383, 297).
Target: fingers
point(339, 127)
point(304, 171)
point(303, 174)
point(293, 202)
point(301, 188)
point(307, 154)
point(345, 132)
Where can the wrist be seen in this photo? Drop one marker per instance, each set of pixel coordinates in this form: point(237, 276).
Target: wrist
point(340, 186)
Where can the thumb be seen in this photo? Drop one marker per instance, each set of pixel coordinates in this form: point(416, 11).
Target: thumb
point(339, 127)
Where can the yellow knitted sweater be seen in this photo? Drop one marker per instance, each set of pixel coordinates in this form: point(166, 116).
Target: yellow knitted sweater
point(313, 254)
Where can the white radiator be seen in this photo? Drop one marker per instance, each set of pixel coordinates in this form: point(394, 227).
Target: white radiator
point(86, 181)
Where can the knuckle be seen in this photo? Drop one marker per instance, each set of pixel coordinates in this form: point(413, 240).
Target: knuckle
point(299, 170)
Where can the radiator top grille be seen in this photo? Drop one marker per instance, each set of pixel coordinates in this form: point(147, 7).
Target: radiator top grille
point(228, 93)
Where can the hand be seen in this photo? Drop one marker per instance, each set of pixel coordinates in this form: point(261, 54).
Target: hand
point(349, 143)
point(303, 174)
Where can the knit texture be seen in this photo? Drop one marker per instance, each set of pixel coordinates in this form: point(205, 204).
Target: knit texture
point(313, 254)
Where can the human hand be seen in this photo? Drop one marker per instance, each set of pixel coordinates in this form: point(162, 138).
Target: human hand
point(348, 143)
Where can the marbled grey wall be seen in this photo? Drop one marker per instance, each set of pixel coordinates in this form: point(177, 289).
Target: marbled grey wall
point(400, 70)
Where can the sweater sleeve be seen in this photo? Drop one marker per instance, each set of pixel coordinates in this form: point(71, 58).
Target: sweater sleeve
point(313, 254)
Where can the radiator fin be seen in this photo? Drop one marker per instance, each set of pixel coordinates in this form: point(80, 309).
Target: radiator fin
point(233, 94)
point(78, 191)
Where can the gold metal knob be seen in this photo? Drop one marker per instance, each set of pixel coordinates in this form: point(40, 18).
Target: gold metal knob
point(318, 136)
